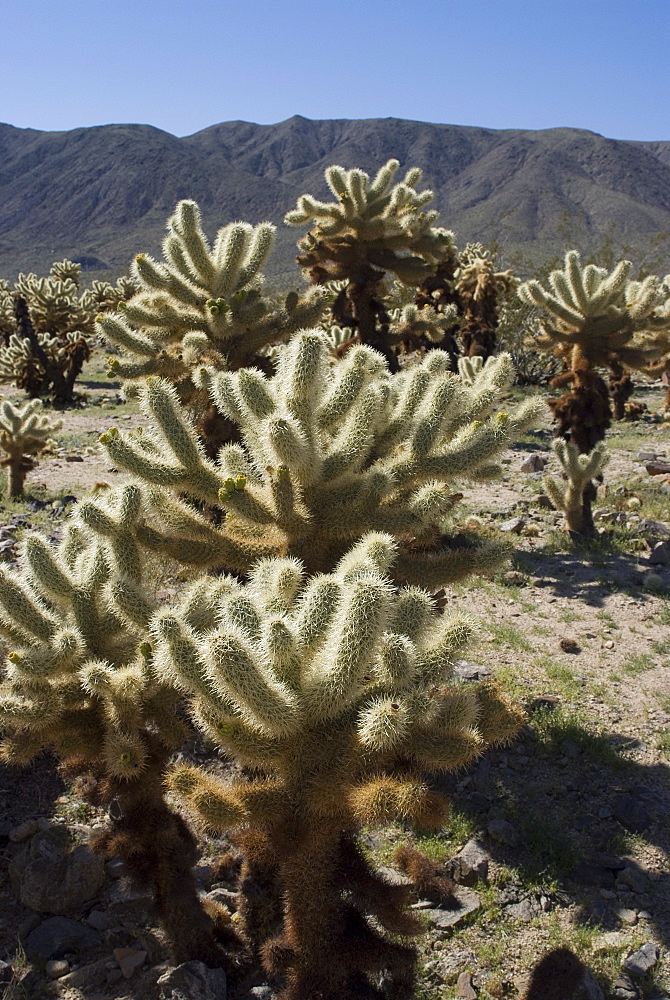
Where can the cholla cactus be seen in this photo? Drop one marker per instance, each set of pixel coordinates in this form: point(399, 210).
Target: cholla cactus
point(339, 693)
point(579, 470)
point(327, 452)
point(45, 326)
point(80, 680)
point(202, 305)
point(480, 288)
point(24, 433)
point(371, 230)
point(598, 319)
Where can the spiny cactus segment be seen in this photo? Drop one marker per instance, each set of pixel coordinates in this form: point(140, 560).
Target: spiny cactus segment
point(339, 691)
point(202, 305)
point(579, 470)
point(24, 434)
point(326, 454)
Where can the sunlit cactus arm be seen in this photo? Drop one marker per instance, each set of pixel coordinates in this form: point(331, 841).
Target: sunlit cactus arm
point(24, 434)
point(579, 471)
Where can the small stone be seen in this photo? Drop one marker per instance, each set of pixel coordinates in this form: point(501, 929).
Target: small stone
point(503, 832)
point(655, 468)
point(51, 878)
point(225, 897)
point(641, 961)
point(467, 670)
point(660, 554)
point(74, 458)
point(464, 988)
point(627, 916)
point(465, 901)
point(609, 644)
point(633, 878)
point(534, 463)
point(514, 525)
point(56, 968)
point(100, 921)
point(512, 578)
point(569, 646)
point(6, 972)
point(23, 831)
point(524, 911)
point(587, 873)
point(471, 864)
point(192, 981)
point(652, 581)
point(570, 749)
point(631, 813)
point(129, 959)
point(58, 935)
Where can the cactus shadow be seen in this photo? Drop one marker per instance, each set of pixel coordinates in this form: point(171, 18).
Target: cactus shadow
point(585, 574)
point(567, 795)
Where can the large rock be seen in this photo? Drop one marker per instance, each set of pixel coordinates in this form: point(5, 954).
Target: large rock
point(471, 864)
point(58, 935)
point(640, 962)
point(50, 877)
point(192, 981)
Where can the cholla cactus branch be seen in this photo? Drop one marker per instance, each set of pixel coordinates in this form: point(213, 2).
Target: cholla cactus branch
point(24, 433)
point(203, 305)
point(373, 228)
point(326, 454)
point(341, 690)
point(572, 496)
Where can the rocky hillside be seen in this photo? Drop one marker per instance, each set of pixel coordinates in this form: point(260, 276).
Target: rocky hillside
point(101, 194)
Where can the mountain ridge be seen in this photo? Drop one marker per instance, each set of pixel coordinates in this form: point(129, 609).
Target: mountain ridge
point(103, 193)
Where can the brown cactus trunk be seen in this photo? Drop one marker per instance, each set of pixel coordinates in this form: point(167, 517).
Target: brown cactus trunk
point(621, 388)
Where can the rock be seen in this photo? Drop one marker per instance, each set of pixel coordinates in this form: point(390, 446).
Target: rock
point(627, 916)
point(87, 977)
point(647, 526)
point(625, 989)
point(525, 910)
point(226, 897)
point(464, 987)
point(129, 959)
point(259, 993)
point(512, 578)
point(633, 878)
point(631, 813)
point(503, 832)
point(6, 972)
point(467, 670)
point(515, 525)
point(534, 463)
point(640, 962)
point(570, 749)
point(587, 873)
point(99, 920)
point(50, 878)
point(471, 864)
point(569, 646)
point(465, 901)
point(658, 468)
point(74, 458)
point(23, 831)
point(57, 935)
point(646, 456)
point(56, 968)
point(660, 554)
point(192, 981)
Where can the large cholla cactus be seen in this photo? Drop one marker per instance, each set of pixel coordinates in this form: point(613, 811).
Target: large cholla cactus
point(339, 694)
point(372, 230)
point(328, 452)
point(597, 319)
point(80, 681)
point(579, 471)
point(45, 329)
point(480, 288)
point(203, 305)
point(24, 433)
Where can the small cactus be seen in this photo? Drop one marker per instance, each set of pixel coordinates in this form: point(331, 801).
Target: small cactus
point(24, 434)
point(579, 471)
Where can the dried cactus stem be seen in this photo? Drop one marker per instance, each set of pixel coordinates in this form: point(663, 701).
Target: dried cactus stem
point(159, 851)
point(621, 388)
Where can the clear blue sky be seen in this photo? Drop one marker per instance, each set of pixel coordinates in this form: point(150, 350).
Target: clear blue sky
point(602, 65)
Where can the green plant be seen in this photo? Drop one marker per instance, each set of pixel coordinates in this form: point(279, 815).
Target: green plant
point(579, 471)
point(24, 433)
point(203, 305)
point(338, 694)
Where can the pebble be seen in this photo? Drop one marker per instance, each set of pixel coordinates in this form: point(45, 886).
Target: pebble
point(56, 968)
point(503, 832)
point(627, 916)
point(514, 525)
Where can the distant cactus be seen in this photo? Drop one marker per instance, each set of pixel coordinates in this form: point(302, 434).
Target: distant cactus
point(479, 288)
point(597, 319)
point(45, 329)
point(326, 453)
point(579, 470)
point(203, 305)
point(80, 681)
point(372, 230)
point(338, 693)
point(24, 434)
